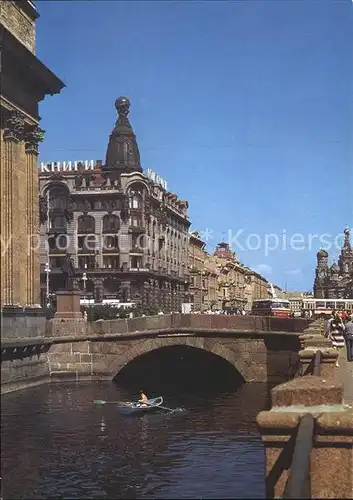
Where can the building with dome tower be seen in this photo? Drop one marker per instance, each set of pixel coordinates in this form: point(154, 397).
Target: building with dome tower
point(126, 233)
point(219, 281)
point(335, 281)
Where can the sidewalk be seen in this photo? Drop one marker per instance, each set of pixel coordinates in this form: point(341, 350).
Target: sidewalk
point(344, 374)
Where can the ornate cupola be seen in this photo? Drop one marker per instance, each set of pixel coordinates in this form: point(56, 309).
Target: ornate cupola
point(347, 242)
point(322, 254)
point(223, 251)
point(123, 152)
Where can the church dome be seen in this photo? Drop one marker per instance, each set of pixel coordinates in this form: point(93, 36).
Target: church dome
point(322, 253)
point(223, 251)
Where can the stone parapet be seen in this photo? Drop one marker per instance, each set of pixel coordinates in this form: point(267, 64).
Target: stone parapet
point(306, 391)
point(183, 322)
point(327, 362)
point(331, 460)
point(22, 323)
point(318, 341)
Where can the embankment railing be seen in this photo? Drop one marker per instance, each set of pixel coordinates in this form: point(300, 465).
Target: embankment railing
point(299, 482)
point(317, 364)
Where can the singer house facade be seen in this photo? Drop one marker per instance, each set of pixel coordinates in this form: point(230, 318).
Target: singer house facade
point(335, 281)
point(124, 232)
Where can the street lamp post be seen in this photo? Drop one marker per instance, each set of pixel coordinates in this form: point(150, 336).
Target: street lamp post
point(47, 271)
point(84, 279)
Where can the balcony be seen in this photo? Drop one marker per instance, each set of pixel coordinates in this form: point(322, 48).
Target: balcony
point(57, 230)
point(138, 229)
point(110, 250)
point(59, 252)
point(136, 250)
point(86, 250)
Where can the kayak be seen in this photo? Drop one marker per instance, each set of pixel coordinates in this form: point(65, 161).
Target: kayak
point(131, 408)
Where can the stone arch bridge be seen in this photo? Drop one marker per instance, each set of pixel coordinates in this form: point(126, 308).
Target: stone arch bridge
point(260, 349)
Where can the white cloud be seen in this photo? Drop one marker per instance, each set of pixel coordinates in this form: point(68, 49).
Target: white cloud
point(263, 269)
point(293, 272)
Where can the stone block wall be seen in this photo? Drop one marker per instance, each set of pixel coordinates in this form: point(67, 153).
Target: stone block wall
point(78, 349)
point(254, 324)
point(256, 359)
point(22, 372)
point(20, 324)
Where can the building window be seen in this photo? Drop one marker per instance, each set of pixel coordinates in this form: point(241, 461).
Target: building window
point(111, 224)
point(58, 198)
point(111, 243)
point(135, 201)
point(60, 243)
point(58, 223)
point(87, 243)
point(86, 262)
point(135, 262)
point(86, 224)
point(80, 242)
point(111, 262)
point(56, 262)
point(136, 221)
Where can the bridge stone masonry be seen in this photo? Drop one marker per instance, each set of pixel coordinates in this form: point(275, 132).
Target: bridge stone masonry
point(260, 349)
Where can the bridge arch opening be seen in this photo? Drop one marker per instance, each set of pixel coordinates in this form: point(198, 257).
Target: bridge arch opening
point(179, 368)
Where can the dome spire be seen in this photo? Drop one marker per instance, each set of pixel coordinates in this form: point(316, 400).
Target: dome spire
point(123, 152)
point(347, 235)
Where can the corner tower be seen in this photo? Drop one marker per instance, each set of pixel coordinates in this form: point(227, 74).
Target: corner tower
point(123, 152)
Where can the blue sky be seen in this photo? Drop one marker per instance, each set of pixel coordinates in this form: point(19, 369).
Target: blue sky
point(244, 107)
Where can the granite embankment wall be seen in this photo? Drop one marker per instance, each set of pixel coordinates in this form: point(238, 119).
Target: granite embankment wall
point(24, 360)
point(259, 348)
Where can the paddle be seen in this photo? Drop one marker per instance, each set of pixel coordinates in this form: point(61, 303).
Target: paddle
point(165, 408)
point(162, 407)
point(102, 402)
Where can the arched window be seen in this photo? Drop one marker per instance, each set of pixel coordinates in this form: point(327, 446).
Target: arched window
point(86, 224)
point(135, 193)
point(58, 197)
point(111, 224)
point(135, 201)
point(58, 223)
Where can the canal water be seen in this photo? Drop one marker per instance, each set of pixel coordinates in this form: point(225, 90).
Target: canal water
point(57, 444)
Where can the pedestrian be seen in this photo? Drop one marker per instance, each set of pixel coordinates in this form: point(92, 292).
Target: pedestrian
point(336, 334)
point(348, 336)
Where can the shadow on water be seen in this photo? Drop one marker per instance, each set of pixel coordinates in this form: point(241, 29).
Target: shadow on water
point(57, 444)
point(181, 372)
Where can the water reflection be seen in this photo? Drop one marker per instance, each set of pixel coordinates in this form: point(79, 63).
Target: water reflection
point(57, 444)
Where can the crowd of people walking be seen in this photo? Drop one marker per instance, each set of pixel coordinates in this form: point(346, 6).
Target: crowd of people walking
point(339, 329)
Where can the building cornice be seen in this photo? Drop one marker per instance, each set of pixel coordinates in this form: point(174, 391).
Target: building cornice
point(45, 81)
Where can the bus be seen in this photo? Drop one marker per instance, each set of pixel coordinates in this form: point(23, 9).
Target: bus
point(279, 308)
point(326, 306)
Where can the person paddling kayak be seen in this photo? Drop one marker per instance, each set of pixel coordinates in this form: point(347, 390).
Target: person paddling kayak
point(143, 398)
